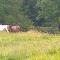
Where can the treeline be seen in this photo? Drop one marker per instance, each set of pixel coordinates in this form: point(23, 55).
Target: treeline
point(29, 13)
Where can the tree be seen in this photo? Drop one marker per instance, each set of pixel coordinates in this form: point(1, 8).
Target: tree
point(30, 9)
point(47, 10)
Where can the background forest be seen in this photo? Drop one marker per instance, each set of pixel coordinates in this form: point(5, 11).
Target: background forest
point(43, 15)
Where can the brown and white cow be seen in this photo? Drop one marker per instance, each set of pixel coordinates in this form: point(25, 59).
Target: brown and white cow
point(10, 28)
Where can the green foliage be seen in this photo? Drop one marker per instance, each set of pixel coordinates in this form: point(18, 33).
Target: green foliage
point(30, 8)
point(47, 11)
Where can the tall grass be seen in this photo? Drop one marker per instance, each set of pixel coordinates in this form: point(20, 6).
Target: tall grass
point(29, 46)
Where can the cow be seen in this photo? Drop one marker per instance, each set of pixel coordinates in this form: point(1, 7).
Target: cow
point(10, 28)
point(4, 28)
point(14, 28)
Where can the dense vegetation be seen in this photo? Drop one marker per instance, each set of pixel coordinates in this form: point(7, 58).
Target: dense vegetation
point(28, 13)
point(29, 46)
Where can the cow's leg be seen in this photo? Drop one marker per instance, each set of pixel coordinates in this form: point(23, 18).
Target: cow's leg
point(7, 30)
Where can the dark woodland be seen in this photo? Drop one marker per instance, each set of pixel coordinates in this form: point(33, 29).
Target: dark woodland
point(40, 15)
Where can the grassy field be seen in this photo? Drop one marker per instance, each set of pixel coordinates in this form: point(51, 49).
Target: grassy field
point(29, 46)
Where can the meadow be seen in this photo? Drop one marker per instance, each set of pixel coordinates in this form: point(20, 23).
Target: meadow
point(29, 46)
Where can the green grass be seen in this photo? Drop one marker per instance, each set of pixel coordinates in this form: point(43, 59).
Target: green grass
point(29, 46)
